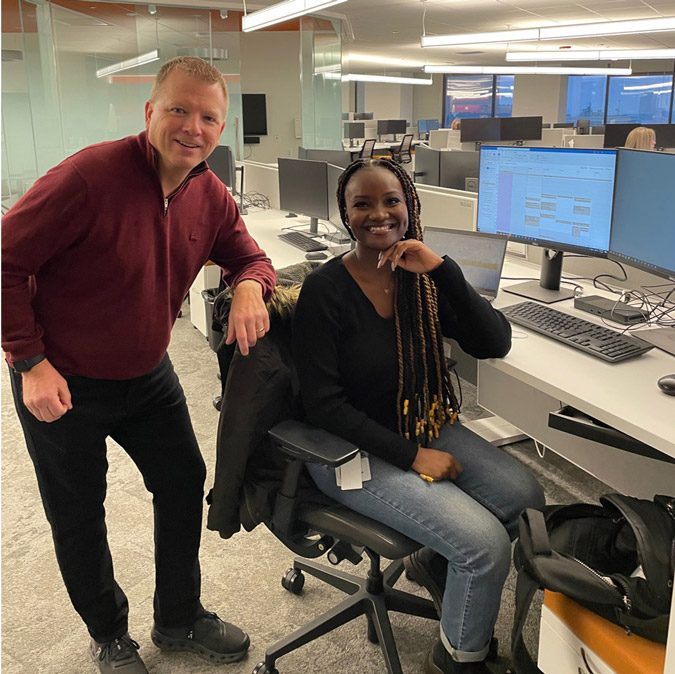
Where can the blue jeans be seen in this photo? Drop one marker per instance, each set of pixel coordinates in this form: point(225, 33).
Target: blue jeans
point(470, 521)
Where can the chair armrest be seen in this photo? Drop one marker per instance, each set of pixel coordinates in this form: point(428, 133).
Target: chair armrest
point(312, 444)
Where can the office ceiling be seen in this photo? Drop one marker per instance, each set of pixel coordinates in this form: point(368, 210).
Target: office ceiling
point(384, 28)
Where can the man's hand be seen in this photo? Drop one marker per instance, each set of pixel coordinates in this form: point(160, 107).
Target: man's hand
point(436, 464)
point(45, 392)
point(249, 320)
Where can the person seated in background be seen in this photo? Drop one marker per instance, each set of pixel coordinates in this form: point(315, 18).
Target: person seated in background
point(368, 336)
point(641, 138)
point(456, 124)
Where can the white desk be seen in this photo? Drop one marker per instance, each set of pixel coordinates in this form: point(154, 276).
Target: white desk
point(265, 226)
point(540, 375)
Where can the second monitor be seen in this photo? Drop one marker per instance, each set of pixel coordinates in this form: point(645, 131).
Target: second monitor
point(309, 188)
point(556, 198)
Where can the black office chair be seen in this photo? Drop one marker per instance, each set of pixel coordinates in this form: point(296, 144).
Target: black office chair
point(367, 149)
point(263, 480)
point(402, 154)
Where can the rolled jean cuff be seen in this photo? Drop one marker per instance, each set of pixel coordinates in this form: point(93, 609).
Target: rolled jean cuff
point(464, 656)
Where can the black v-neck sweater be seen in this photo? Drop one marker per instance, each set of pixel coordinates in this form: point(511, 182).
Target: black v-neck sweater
point(347, 361)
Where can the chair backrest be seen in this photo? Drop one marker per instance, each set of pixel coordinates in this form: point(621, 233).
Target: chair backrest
point(403, 155)
point(367, 149)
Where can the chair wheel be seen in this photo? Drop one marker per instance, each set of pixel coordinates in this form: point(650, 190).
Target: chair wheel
point(293, 581)
point(262, 668)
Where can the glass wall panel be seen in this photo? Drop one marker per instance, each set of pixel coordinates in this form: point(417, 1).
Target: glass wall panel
point(56, 101)
point(467, 96)
point(586, 96)
point(643, 99)
point(321, 83)
point(504, 96)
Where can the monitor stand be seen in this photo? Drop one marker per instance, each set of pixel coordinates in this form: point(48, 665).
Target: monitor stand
point(661, 338)
point(547, 289)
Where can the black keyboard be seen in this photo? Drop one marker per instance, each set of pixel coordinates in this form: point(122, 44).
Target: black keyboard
point(591, 338)
point(302, 241)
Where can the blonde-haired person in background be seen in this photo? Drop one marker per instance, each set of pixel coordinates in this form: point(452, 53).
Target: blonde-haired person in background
point(641, 138)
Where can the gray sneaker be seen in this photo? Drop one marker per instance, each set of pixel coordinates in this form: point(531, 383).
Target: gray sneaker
point(119, 656)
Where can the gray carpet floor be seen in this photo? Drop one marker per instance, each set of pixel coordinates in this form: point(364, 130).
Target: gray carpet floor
point(241, 576)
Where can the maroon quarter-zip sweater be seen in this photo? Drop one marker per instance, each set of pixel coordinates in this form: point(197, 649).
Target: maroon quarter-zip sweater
point(96, 263)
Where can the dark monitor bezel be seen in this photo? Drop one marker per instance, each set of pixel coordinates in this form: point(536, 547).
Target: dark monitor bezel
point(349, 130)
point(521, 128)
point(668, 274)
point(480, 129)
point(224, 167)
point(254, 114)
point(321, 213)
point(563, 247)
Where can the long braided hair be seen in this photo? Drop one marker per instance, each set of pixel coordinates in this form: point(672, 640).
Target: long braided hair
point(426, 400)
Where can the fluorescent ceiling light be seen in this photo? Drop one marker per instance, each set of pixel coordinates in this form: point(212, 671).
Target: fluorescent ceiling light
point(527, 35)
point(402, 63)
point(129, 63)
point(552, 33)
point(355, 77)
point(608, 28)
point(590, 55)
point(283, 11)
point(526, 70)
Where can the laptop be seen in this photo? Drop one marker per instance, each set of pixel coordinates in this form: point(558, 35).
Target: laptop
point(480, 255)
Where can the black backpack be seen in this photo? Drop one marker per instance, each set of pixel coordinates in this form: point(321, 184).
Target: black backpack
point(591, 553)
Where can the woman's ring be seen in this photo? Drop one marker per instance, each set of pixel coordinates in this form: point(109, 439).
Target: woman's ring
point(260, 330)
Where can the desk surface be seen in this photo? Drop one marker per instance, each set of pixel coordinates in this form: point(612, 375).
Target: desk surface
point(623, 395)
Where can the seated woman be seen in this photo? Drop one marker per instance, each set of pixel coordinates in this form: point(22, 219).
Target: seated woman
point(641, 138)
point(368, 339)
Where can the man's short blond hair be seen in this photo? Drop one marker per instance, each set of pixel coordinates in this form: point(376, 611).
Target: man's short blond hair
point(194, 67)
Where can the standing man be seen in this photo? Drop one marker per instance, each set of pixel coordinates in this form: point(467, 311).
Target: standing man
point(97, 258)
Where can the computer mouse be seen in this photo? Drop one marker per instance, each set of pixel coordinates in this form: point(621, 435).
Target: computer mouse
point(667, 384)
point(315, 255)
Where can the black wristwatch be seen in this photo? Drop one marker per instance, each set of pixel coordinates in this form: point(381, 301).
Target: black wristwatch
point(25, 365)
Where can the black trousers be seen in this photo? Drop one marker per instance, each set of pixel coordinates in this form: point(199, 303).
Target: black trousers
point(148, 417)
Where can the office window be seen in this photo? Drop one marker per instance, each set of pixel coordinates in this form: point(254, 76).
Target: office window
point(504, 97)
point(586, 98)
point(467, 96)
point(641, 99)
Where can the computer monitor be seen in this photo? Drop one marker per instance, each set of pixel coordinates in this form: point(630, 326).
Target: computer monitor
point(354, 130)
point(556, 198)
point(254, 114)
point(563, 125)
point(363, 115)
point(308, 187)
point(583, 126)
point(426, 125)
point(520, 128)
point(643, 222)
point(481, 129)
point(427, 166)
point(456, 166)
point(616, 134)
point(391, 126)
point(221, 162)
